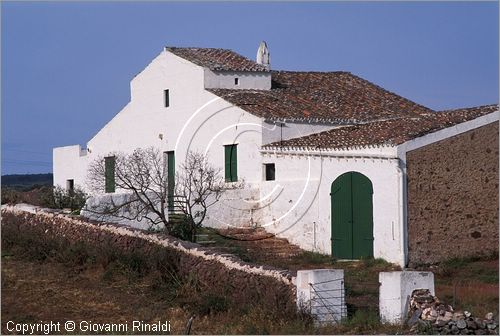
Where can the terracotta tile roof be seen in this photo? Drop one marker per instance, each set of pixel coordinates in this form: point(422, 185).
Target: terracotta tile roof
point(390, 132)
point(217, 59)
point(338, 97)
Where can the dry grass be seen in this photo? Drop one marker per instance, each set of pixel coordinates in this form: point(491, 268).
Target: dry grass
point(51, 280)
point(47, 280)
point(478, 298)
point(51, 291)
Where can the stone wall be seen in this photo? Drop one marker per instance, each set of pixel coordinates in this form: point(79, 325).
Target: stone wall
point(240, 281)
point(453, 197)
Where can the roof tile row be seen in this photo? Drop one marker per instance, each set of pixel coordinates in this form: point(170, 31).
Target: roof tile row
point(217, 59)
point(338, 97)
point(384, 133)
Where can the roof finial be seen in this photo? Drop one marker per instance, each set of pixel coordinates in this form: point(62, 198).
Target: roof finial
point(263, 55)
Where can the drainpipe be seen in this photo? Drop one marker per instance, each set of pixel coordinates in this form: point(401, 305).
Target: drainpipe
point(402, 208)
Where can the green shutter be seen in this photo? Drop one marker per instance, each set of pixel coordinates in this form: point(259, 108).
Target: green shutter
point(227, 163)
point(170, 178)
point(234, 164)
point(109, 172)
point(231, 163)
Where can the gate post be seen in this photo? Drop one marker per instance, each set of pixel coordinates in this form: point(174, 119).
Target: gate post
point(395, 292)
point(321, 293)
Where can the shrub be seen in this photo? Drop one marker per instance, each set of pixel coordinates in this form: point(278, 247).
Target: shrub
point(10, 196)
point(60, 198)
point(180, 226)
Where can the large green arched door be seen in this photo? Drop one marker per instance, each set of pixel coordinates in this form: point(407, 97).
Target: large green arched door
point(352, 216)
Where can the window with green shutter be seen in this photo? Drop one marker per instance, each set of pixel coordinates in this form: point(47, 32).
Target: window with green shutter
point(109, 172)
point(170, 169)
point(231, 163)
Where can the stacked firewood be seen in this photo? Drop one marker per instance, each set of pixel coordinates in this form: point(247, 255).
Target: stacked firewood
point(428, 313)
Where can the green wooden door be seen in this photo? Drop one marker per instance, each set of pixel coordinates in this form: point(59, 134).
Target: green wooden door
point(352, 216)
point(342, 217)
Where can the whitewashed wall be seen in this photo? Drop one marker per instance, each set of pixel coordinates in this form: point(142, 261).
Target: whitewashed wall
point(297, 204)
point(273, 132)
point(195, 120)
point(70, 163)
point(246, 80)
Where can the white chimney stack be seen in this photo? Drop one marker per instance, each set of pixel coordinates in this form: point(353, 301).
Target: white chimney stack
point(263, 55)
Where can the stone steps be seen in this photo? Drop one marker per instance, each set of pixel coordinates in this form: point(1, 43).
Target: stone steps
point(259, 244)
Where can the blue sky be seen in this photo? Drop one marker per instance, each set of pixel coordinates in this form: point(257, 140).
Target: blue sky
point(66, 67)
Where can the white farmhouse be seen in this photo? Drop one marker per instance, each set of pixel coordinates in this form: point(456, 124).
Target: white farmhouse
point(325, 156)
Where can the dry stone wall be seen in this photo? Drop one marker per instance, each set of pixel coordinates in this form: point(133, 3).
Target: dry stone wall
point(241, 281)
point(453, 197)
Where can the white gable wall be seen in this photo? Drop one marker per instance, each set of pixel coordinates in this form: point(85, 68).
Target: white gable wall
point(194, 120)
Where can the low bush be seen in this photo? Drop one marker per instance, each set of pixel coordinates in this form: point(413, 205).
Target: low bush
point(46, 196)
point(180, 227)
point(61, 198)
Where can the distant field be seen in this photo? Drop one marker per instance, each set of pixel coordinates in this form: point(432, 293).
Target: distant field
point(26, 181)
point(26, 188)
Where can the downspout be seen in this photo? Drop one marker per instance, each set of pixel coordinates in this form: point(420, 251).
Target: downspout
point(402, 207)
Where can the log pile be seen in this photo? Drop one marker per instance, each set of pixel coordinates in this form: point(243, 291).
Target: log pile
point(427, 312)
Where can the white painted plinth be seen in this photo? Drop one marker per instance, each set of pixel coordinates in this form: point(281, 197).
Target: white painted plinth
point(395, 292)
point(321, 293)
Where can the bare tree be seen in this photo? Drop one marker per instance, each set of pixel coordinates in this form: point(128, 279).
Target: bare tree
point(199, 186)
point(141, 179)
point(140, 176)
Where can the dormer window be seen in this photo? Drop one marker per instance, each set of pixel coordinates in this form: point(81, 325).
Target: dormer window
point(236, 81)
point(166, 98)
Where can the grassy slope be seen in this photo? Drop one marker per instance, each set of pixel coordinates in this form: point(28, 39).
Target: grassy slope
point(470, 284)
point(50, 290)
point(68, 285)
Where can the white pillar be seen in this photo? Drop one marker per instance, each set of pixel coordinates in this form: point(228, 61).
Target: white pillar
point(395, 292)
point(321, 293)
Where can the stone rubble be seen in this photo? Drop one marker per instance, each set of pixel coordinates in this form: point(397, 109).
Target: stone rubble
point(427, 312)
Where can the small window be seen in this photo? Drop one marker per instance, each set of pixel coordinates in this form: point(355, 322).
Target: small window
point(109, 174)
point(231, 163)
point(70, 185)
point(236, 81)
point(270, 172)
point(166, 98)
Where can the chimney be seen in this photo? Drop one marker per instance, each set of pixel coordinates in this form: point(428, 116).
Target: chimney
point(263, 55)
